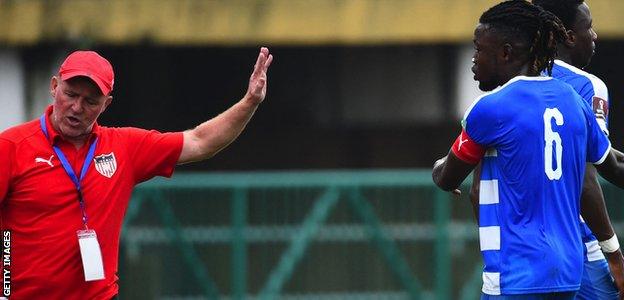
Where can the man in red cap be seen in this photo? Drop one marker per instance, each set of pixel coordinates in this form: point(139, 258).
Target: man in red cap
point(65, 181)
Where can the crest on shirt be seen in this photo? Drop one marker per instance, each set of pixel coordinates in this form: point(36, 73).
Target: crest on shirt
point(601, 107)
point(106, 164)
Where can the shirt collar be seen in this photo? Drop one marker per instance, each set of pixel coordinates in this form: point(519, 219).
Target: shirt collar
point(54, 136)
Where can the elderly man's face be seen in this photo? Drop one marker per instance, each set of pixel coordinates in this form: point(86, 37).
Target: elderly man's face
point(78, 102)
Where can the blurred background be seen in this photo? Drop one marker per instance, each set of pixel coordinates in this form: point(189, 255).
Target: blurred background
point(327, 194)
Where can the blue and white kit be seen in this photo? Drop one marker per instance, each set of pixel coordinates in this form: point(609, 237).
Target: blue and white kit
point(539, 134)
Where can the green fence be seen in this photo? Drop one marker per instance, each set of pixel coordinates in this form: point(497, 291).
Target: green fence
point(302, 235)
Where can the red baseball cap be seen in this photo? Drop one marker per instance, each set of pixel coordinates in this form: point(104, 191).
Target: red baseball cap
point(91, 65)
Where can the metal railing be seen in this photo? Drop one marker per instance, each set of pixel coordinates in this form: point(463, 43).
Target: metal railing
point(391, 222)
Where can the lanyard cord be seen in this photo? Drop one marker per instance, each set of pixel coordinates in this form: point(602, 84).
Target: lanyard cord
point(70, 171)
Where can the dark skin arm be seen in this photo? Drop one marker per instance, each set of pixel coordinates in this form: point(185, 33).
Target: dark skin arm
point(474, 191)
point(593, 208)
point(612, 169)
point(594, 212)
point(619, 156)
point(449, 172)
point(616, 266)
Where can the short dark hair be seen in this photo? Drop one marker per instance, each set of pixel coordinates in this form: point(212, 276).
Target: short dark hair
point(565, 10)
point(522, 22)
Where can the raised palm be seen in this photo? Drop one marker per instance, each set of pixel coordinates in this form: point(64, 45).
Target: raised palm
point(258, 80)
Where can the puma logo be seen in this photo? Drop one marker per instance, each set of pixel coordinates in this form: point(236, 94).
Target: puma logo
point(461, 142)
point(47, 161)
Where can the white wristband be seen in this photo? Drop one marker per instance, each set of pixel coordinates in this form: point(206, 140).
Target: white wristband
point(610, 245)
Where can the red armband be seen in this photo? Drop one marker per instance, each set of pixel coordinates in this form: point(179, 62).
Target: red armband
point(466, 149)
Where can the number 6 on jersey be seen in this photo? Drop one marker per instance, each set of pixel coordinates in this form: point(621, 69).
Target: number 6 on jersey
point(551, 137)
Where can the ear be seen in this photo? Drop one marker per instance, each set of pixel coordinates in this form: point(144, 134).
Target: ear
point(570, 42)
point(506, 52)
point(107, 102)
point(54, 83)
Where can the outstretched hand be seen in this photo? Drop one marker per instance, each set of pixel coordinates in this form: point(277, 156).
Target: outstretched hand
point(258, 80)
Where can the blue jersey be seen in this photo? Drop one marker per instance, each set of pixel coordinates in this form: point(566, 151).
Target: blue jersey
point(540, 134)
point(593, 90)
point(595, 93)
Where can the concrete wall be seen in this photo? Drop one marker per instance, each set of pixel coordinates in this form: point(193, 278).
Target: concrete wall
point(12, 96)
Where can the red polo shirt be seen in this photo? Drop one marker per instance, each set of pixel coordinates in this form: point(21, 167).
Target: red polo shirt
point(39, 204)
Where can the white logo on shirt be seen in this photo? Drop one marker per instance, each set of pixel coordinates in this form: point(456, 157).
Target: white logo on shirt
point(106, 164)
point(47, 161)
point(461, 142)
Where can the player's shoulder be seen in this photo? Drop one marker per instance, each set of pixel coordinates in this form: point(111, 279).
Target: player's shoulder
point(126, 134)
point(575, 76)
point(488, 103)
point(116, 133)
point(21, 133)
point(124, 130)
point(523, 85)
point(518, 84)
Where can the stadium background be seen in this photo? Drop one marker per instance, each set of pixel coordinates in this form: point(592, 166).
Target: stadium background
point(360, 86)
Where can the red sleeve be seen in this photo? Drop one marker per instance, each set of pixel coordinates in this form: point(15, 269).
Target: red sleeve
point(466, 149)
point(7, 156)
point(153, 153)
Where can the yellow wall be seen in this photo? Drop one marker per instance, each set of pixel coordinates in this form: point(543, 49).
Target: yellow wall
point(228, 22)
